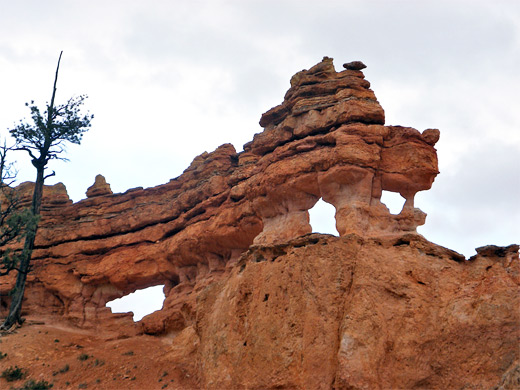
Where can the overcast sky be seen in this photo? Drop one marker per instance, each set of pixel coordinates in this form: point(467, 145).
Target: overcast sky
point(168, 80)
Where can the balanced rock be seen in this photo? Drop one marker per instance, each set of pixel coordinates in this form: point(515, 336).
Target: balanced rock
point(354, 65)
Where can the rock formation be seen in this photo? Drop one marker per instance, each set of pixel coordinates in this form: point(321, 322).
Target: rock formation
point(256, 300)
point(324, 312)
point(99, 188)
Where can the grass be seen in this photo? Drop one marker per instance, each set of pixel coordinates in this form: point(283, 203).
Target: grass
point(13, 374)
point(99, 363)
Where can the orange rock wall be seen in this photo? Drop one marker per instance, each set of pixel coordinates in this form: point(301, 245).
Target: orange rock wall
point(326, 140)
point(323, 312)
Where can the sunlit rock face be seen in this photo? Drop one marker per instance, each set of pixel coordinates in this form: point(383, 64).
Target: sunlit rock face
point(243, 279)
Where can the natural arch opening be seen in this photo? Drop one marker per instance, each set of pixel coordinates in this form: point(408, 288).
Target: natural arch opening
point(323, 218)
point(393, 200)
point(141, 302)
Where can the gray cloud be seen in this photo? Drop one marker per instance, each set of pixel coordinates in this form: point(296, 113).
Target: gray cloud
point(478, 200)
point(168, 80)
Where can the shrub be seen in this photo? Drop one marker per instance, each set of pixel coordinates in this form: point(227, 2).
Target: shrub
point(2, 355)
point(13, 374)
point(31, 384)
point(83, 357)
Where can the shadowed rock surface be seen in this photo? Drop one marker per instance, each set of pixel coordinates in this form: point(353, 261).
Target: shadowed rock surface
point(253, 300)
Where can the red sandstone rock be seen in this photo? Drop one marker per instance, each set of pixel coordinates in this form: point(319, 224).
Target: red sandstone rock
point(99, 188)
point(355, 313)
point(53, 196)
point(379, 307)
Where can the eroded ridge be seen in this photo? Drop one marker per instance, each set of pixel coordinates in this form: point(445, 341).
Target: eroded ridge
point(327, 139)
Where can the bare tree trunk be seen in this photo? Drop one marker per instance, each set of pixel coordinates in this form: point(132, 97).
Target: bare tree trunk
point(15, 309)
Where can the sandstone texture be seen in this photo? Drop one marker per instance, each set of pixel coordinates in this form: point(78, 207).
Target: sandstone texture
point(323, 312)
point(99, 188)
point(253, 298)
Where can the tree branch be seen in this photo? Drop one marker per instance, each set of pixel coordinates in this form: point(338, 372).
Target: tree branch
point(28, 151)
point(49, 175)
point(51, 105)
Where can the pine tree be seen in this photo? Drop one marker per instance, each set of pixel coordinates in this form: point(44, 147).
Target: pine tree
point(43, 140)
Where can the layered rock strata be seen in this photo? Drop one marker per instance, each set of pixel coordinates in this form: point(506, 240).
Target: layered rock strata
point(250, 295)
point(326, 140)
point(99, 188)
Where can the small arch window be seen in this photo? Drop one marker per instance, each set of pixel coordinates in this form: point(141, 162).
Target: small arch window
point(394, 201)
point(141, 302)
point(323, 218)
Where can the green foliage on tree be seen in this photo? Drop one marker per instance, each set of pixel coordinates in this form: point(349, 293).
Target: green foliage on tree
point(14, 220)
point(43, 138)
point(49, 131)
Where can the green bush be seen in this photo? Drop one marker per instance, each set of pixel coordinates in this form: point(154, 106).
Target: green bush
point(13, 374)
point(83, 357)
point(31, 384)
point(2, 355)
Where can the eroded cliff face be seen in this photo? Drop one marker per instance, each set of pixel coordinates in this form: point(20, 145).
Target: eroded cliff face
point(323, 312)
point(252, 298)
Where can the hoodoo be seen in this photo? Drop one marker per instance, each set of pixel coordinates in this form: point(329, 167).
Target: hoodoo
point(253, 298)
